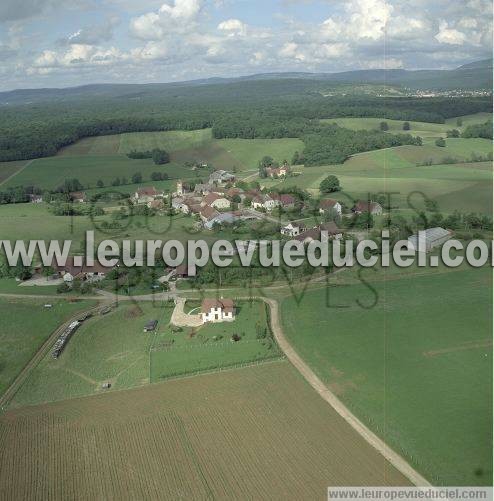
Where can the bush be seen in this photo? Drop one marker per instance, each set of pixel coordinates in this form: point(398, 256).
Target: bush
point(440, 142)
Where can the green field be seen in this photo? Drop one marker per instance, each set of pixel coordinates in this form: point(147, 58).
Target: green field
point(167, 140)
point(422, 129)
point(113, 348)
point(465, 186)
point(25, 325)
point(36, 222)
point(416, 367)
point(49, 173)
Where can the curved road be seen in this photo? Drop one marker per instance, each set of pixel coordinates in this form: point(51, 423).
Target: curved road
point(395, 459)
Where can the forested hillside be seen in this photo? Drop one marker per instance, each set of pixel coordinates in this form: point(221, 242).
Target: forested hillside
point(257, 109)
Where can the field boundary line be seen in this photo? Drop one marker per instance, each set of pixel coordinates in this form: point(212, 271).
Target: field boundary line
point(27, 164)
point(308, 374)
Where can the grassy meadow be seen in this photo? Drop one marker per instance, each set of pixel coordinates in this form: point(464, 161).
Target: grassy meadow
point(113, 348)
point(412, 358)
point(25, 325)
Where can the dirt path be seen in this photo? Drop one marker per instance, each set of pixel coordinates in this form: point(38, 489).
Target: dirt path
point(28, 163)
point(182, 319)
point(395, 459)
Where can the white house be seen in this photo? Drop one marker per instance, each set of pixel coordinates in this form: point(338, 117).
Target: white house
point(217, 310)
point(329, 205)
point(293, 229)
point(264, 202)
point(215, 200)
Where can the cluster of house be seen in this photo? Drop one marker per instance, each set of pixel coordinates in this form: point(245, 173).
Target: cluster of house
point(75, 268)
point(75, 196)
point(298, 231)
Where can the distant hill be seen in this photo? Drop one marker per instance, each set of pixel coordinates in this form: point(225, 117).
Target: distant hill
point(484, 64)
point(475, 75)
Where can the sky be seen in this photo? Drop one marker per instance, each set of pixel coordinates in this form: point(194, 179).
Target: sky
point(62, 43)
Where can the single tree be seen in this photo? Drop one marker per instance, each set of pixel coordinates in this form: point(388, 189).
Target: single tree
point(440, 142)
point(330, 184)
point(136, 178)
point(384, 126)
point(406, 125)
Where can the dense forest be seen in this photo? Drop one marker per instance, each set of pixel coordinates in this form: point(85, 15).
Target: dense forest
point(267, 109)
point(332, 144)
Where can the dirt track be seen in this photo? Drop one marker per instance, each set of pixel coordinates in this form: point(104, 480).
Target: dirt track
point(395, 459)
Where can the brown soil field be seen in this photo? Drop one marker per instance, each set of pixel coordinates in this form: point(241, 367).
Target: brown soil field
point(254, 433)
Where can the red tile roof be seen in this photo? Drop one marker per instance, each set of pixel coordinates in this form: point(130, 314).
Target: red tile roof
point(226, 305)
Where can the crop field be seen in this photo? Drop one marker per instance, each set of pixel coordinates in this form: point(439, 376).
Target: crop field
point(413, 360)
point(25, 325)
point(113, 348)
point(239, 435)
point(211, 346)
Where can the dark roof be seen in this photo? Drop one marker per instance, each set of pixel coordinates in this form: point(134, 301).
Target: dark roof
point(70, 267)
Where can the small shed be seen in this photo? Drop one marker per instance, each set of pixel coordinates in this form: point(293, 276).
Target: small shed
point(151, 326)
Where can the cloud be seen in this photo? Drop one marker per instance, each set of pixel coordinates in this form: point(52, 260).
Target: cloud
point(178, 17)
point(15, 10)
point(233, 26)
point(170, 39)
point(449, 36)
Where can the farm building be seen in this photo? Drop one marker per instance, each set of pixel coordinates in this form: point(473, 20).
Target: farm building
point(328, 205)
point(146, 195)
point(35, 199)
point(78, 196)
point(216, 200)
point(262, 201)
point(217, 310)
point(151, 326)
point(220, 218)
point(70, 271)
point(429, 239)
point(221, 177)
point(362, 207)
point(275, 172)
point(284, 200)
